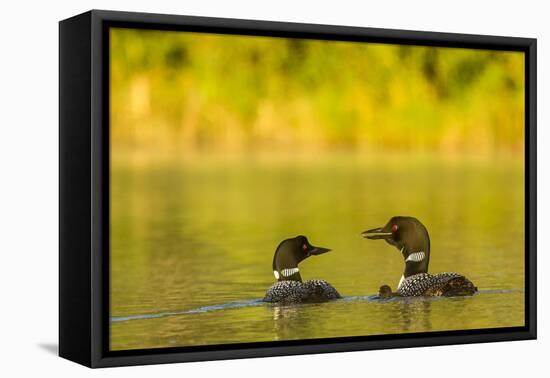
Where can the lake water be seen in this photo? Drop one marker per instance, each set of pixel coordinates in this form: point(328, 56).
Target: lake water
point(192, 243)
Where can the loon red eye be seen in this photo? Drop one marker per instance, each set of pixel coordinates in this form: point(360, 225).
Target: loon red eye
point(394, 228)
point(304, 247)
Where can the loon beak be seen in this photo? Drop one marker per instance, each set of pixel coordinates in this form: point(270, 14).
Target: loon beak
point(376, 233)
point(318, 250)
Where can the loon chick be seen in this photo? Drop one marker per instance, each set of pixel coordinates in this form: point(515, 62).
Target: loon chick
point(290, 288)
point(410, 236)
point(385, 292)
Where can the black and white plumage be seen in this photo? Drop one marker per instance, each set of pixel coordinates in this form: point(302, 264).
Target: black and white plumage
point(412, 239)
point(311, 291)
point(435, 285)
point(290, 288)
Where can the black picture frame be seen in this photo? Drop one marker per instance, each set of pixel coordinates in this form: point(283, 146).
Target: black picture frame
point(84, 187)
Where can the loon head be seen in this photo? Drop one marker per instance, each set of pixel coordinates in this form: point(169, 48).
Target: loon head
point(289, 253)
point(410, 237)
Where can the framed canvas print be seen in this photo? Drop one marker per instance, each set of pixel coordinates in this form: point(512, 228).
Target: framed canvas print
point(234, 188)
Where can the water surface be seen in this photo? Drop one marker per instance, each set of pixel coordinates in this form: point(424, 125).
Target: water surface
point(192, 244)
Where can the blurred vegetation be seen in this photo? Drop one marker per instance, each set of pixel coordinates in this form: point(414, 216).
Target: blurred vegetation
point(189, 92)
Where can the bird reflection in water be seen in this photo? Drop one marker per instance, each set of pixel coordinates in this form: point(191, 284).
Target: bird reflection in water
point(291, 322)
point(413, 314)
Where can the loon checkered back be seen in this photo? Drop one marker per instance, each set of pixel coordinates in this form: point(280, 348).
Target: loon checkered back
point(442, 284)
point(311, 291)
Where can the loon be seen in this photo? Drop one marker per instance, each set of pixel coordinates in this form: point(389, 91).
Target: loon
point(290, 288)
point(411, 237)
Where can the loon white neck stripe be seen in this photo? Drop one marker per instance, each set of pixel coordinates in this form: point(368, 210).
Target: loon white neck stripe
point(285, 272)
point(416, 257)
point(289, 272)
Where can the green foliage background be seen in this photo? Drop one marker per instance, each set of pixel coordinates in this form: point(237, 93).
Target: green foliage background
point(184, 93)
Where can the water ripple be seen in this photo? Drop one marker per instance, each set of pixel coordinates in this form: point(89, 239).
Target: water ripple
point(259, 302)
